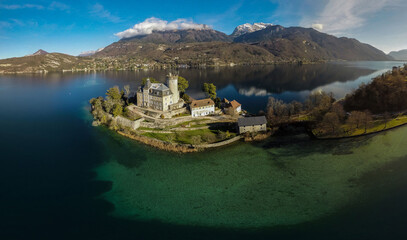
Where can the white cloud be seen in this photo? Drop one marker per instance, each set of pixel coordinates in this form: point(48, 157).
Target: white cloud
point(59, 6)
point(53, 6)
point(4, 24)
point(99, 11)
point(318, 26)
point(21, 6)
point(155, 24)
point(11, 23)
point(338, 16)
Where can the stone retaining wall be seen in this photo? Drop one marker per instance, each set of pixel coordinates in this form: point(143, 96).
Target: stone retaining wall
point(124, 122)
point(157, 124)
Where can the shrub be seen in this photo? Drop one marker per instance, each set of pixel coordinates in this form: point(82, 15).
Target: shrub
point(196, 140)
point(209, 137)
point(117, 110)
point(221, 135)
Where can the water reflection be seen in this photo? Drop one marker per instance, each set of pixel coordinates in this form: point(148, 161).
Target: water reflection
point(250, 85)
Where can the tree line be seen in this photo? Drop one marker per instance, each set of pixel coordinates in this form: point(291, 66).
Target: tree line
point(322, 109)
point(386, 93)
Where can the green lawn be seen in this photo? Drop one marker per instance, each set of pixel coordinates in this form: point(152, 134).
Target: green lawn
point(159, 136)
point(186, 136)
point(192, 123)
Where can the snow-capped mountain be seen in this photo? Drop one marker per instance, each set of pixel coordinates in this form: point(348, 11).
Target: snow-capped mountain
point(90, 53)
point(249, 28)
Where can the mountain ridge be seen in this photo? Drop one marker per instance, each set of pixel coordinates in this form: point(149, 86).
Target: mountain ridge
point(308, 43)
point(41, 63)
point(205, 47)
point(399, 55)
point(285, 44)
point(181, 36)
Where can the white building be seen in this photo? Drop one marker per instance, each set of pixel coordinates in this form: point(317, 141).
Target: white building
point(236, 106)
point(202, 107)
point(159, 96)
point(252, 124)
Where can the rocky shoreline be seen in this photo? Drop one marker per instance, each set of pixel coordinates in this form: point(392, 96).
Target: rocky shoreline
point(176, 147)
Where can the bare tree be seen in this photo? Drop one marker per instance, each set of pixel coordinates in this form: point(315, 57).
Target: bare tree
point(297, 107)
point(127, 93)
point(367, 119)
point(355, 119)
point(386, 118)
point(331, 122)
point(338, 109)
point(277, 111)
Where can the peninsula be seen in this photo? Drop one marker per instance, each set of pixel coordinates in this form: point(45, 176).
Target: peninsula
point(164, 116)
point(374, 107)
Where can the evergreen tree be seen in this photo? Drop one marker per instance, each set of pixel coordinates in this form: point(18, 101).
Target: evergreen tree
point(183, 84)
point(210, 90)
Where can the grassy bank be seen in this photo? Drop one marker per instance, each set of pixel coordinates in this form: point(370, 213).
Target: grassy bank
point(375, 126)
point(160, 144)
point(199, 136)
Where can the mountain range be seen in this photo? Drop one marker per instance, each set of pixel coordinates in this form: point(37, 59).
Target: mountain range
point(248, 44)
point(399, 55)
point(258, 43)
point(297, 43)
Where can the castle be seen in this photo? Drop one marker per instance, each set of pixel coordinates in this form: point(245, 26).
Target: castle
point(159, 96)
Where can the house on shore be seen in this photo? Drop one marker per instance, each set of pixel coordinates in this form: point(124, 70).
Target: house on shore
point(231, 107)
point(236, 106)
point(202, 107)
point(252, 124)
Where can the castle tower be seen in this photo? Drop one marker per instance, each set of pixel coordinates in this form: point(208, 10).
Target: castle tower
point(172, 83)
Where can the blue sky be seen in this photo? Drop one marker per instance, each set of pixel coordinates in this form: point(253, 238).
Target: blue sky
point(76, 26)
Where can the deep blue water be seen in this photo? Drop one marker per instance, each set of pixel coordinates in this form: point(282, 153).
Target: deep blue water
point(49, 151)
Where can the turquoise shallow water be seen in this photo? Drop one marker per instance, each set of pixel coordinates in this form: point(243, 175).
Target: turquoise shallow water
point(245, 185)
point(61, 178)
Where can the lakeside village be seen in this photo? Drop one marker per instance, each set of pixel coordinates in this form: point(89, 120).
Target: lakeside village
point(164, 116)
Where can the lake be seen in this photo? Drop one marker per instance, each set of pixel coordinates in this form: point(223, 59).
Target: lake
point(61, 178)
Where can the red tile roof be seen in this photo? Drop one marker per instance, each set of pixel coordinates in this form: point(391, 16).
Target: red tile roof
point(202, 103)
point(235, 104)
